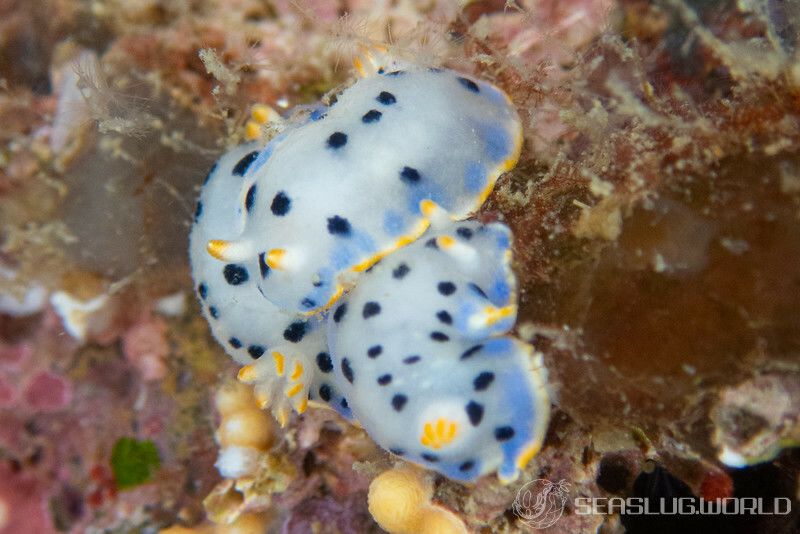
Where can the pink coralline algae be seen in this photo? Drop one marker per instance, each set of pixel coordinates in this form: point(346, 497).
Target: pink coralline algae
point(48, 392)
point(23, 504)
point(145, 347)
point(8, 393)
point(12, 356)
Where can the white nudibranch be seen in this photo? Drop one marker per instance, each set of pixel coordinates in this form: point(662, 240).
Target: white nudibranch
point(331, 263)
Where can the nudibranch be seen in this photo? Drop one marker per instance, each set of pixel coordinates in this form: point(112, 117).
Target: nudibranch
point(420, 354)
point(335, 263)
point(332, 197)
point(281, 347)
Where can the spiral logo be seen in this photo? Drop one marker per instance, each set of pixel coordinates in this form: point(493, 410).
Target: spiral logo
point(540, 503)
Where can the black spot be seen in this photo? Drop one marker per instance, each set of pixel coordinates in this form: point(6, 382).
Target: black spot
point(374, 351)
point(469, 84)
point(398, 401)
point(436, 70)
point(339, 226)
point(308, 303)
point(255, 351)
point(343, 403)
point(235, 274)
point(409, 360)
point(337, 140)
point(339, 313)
point(213, 312)
point(477, 289)
point(410, 176)
point(503, 433)
point(384, 379)
point(465, 232)
point(324, 362)
point(439, 336)
point(241, 167)
point(210, 172)
point(347, 371)
point(483, 380)
point(250, 198)
point(444, 317)
point(386, 98)
point(262, 264)
point(446, 288)
point(470, 351)
point(396, 73)
point(401, 271)
point(431, 243)
point(325, 392)
point(317, 283)
point(397, 452)
point(280, 204)
point(295, 332)
point(370, 309)
point(372, 115)
point(466, 466)
point(198, 211)
point(432, 458)
point(474, 412)
point(202, 290)
point(235, 343)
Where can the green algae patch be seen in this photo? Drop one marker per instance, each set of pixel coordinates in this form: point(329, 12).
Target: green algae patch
point(133, 462)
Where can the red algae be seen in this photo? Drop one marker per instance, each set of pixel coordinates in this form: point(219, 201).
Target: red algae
point(48, 392)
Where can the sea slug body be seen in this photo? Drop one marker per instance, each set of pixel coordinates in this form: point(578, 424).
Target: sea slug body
point(331, 263)
point(335, 195)
point(420, 354)
point(278, 345)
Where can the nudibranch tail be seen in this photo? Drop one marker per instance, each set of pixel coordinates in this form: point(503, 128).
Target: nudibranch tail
point(486, 409)
point(526, 385)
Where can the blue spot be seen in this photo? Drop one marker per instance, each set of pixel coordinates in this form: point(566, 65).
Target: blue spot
point(363, 241)
point(474, 177)
point(342, 257)
point(393, 223)
point(503, 241)
point(493, 94)
point(430, 190)
point(500, 292)
point(465, 469)
point(265, 154)
point(496, 141)
point(498, 346)
point(318, 113)
point(519, 407)
point(325, 277)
